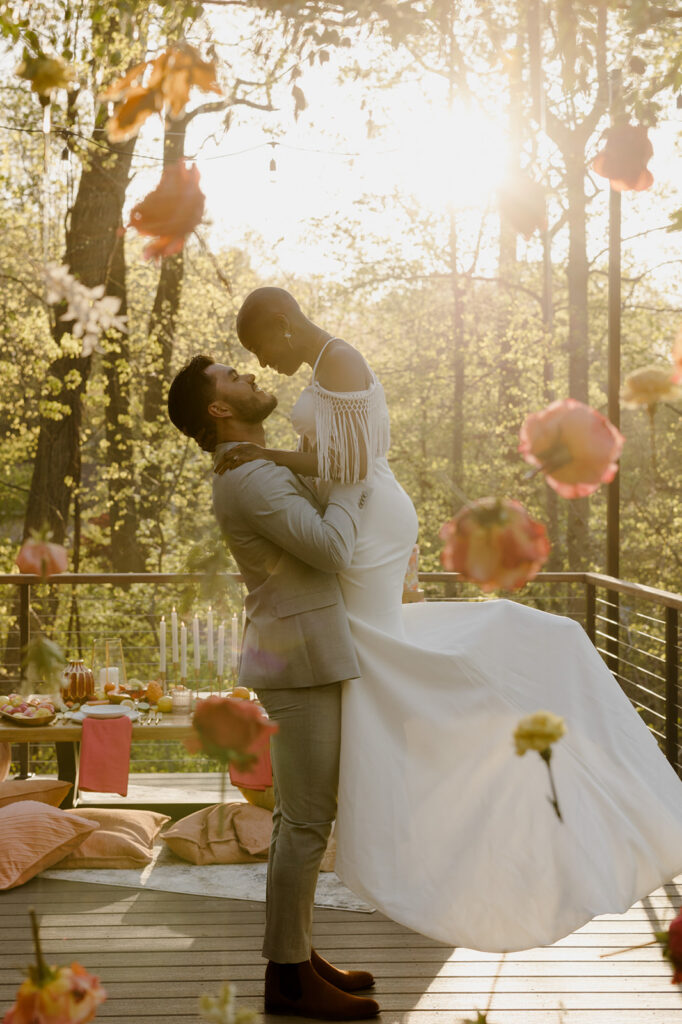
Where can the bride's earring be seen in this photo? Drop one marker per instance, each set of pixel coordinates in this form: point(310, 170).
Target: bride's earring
point(287, 337)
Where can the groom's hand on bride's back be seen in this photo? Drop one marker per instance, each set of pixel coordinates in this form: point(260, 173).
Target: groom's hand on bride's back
point(237, 456)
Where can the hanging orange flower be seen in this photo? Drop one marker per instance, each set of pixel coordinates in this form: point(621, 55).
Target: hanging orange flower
point(494, 542)
point(38, 555)
point(522, 204)
point(169, 80)
point(573, 445)
point(55, 995)
point(171, 211)
point(624, 158)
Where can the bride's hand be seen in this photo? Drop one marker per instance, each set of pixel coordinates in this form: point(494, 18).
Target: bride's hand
point(238, 456)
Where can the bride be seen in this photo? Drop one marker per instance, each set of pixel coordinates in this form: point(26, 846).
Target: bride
point(440, 825)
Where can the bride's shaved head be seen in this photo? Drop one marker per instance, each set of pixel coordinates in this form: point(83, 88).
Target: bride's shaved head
point(260, 307)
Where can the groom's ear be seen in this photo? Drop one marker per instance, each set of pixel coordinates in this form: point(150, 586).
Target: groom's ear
point(220, 410)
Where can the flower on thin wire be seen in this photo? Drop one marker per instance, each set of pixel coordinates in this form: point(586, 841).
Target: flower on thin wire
point(671, 941)
point(624, 158)
point(222, 1009)
point(538, 732)
point(522, 204)
point(55, 995)
point(158, 86)
point(494, 542)
point(171, 211)
point(92, 311)
point(574, 446)
point(648, 386)
point(45, 74)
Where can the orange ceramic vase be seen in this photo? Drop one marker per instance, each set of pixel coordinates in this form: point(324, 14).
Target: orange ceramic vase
point(78, 682)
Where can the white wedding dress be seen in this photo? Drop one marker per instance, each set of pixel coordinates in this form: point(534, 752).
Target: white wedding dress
point(440, 824)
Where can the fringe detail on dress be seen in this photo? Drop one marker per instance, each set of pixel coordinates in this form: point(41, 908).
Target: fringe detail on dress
point(348, 425)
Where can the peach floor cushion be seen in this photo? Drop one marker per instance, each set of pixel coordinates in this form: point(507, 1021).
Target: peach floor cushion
point(243, 839)
point(45, 791)
point(34, 836)
point(124, 839)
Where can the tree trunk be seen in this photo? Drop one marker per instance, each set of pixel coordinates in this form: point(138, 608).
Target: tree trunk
point(90, 242)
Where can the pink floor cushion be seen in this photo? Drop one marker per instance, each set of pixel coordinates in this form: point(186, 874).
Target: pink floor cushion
point(34, 836)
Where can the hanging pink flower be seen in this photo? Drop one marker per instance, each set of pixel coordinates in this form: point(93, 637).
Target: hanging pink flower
point(573, 445)
point(41, 557)
point(494, 542)
point(624, 158)
point(226, 728)
point(171, 211)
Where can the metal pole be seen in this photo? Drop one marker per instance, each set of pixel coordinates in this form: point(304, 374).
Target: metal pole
point(613, 387)
point(671, 685)
point(24, 637)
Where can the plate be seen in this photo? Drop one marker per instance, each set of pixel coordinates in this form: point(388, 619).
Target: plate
point(28, 721)
point(104, 711)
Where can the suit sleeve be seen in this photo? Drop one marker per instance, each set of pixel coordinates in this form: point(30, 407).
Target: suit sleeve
point(273, 507)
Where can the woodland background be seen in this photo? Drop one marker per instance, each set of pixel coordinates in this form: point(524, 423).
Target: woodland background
point(467, 329)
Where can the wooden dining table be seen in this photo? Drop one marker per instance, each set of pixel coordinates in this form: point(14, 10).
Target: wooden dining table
point(66, 736)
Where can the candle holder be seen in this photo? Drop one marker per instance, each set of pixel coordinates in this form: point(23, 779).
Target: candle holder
point(211, 676)
point(162, 681)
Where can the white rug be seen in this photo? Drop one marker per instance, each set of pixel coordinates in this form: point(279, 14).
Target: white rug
point(169, 873)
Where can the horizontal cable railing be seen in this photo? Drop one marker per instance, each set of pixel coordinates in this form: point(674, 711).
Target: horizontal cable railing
point(635, 628)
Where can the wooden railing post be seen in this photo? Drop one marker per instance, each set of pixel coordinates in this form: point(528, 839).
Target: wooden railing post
point(590, 611)
point(671, 685)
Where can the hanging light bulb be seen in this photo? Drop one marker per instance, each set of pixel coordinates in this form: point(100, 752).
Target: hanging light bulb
point(273, 163)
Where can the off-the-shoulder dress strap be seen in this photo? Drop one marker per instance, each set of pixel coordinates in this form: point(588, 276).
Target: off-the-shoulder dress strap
point(322, 351)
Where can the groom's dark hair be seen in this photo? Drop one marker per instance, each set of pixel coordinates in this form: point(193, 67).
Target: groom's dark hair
point(189, 397)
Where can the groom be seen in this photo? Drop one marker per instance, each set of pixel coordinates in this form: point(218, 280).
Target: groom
point(297, 651)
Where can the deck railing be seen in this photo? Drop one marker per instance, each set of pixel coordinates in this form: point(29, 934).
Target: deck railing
point(635, 628)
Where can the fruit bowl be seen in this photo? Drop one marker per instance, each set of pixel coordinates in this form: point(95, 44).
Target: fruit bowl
point(44, 720)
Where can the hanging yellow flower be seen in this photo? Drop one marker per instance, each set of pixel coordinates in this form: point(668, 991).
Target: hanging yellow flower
point(649, 385)
point(46, 73)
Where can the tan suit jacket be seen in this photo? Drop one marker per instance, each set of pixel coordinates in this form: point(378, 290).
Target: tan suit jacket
point(289, 550)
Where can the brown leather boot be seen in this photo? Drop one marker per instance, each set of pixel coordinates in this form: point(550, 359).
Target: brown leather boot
point(347, 981)
point(298, 990)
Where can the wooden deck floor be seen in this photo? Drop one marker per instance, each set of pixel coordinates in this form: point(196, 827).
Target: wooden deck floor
point(156, 952)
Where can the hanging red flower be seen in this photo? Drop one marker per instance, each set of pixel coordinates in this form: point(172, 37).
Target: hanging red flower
point(624, 158)
point(494, 542)
point(573, 445)
point(521, 203)
point(171, 211)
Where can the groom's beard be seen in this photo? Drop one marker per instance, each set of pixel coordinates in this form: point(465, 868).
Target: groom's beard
point(255, 409)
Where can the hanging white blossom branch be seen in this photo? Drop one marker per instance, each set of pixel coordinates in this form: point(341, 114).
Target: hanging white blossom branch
point(92, 311)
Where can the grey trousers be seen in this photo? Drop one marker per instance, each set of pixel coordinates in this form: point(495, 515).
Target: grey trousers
point(305, 768)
